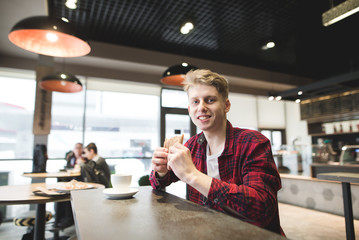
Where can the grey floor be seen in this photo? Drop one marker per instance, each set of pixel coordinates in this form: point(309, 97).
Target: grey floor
point(8, 231)
point(298, 224)
point(306, 224)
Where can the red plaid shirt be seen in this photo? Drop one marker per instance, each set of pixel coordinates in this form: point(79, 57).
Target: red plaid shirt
point(249, 177)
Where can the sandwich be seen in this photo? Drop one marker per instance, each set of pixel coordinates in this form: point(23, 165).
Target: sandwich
point(171, 141)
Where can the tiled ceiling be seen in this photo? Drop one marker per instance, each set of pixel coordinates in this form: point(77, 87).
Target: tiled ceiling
point(230, 31)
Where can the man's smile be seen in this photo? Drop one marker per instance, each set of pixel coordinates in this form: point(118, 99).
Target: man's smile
point(203, 117)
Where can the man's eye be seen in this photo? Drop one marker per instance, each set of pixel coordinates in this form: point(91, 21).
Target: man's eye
point(195, 102)
point(211, 100)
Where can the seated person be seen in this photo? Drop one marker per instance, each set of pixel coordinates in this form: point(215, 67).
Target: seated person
point(95, 169)
point(64, 210)
point(75, 157)
point(225, 167)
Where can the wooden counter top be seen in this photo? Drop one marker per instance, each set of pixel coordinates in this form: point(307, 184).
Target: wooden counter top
point(152, 214)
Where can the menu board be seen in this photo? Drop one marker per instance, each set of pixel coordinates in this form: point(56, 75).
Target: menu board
point(329, 106)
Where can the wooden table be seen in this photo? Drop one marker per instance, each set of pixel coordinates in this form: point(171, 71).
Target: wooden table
point(23, 194)
point(61, 176)
point(152, 214)
point(52, 175)
point(345, 178)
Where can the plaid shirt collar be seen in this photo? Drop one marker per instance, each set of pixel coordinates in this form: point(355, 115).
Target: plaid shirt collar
point(228, 148)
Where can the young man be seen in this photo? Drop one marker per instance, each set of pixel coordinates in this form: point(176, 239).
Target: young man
point(225, 168)
point(90, 153)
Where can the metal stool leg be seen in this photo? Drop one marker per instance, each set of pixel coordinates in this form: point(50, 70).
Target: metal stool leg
point(348, 211)
point(39, 233)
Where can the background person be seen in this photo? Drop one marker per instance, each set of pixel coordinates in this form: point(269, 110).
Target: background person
point(75, 156)
point(64, 209)
point(225, 168)
point(95, 168)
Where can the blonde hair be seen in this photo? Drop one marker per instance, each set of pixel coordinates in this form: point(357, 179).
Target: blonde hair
point(206, 77)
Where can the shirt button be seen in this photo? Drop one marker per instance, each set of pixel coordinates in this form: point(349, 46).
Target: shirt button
point(215, 200)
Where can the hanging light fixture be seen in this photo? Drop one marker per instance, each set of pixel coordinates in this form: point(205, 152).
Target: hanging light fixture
point(61, 82)
point(339, 12)
point(174, 75)
point(49, 36)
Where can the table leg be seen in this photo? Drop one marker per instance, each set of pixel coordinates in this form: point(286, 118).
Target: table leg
point(348, 211)
point(39, 228)
point(56, 223)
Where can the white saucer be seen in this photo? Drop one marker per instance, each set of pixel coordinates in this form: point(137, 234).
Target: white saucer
point(115, 193)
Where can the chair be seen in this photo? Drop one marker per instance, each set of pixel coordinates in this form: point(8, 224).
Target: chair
point(28, 220)
point(39, 158)
point(144, 181)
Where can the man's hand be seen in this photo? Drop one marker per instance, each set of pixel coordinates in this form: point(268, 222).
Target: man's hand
point(159, 161)
point(180, 161)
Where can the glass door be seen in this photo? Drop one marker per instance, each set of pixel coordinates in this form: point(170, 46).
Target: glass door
point(178, 124)
point(174, 115)
point(175, 121)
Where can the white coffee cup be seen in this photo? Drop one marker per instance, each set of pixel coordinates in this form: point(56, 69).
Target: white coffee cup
point(121, 182)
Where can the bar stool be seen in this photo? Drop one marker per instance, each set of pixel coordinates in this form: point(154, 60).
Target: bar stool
point(27, 219)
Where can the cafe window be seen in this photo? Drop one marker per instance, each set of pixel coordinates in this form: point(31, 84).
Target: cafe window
point(172, 98)
point(17, 103)
point(121, 118)
point(67, 116)
point(122, 124)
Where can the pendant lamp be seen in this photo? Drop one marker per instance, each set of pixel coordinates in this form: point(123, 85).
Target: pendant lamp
point(61, 82)
point(175, 75)
point(49, 36)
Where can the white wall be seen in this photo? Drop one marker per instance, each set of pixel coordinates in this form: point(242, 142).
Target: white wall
point(249, 111)
point(296, 128)
point(271, 114)
point(243, 112)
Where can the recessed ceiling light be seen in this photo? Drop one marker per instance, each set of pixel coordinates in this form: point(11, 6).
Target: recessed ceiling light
point(187, 27)
point(268, 45)
point(71, 4)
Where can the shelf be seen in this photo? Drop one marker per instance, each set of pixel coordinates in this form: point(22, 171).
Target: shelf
point(332, 134)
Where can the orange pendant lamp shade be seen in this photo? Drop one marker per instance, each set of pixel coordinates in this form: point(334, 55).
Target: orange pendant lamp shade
point(175, 75)
point(61, 82)
point(49, 36)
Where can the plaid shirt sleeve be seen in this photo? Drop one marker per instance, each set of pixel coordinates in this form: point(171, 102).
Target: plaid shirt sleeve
point(160, 183)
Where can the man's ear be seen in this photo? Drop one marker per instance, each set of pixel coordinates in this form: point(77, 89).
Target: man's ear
point(227, 106)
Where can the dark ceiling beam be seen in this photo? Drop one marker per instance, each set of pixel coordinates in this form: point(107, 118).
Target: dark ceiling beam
point(322, 85)
point(108, 73)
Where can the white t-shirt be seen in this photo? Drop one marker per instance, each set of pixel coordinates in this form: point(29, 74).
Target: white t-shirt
point(212, 163)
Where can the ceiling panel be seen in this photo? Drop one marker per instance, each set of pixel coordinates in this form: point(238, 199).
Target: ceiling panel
point(229, 31)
